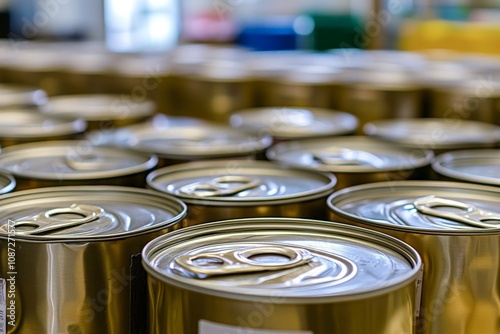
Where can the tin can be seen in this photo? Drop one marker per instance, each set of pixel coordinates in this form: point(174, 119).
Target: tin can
point(89, 73)
point(295, 123)
point(7, 183)
point(475, 166)
point(229, 189)
point(455, 228)
point(24, 125)
point(378, 93)
point(18, 96)
point(83, 246)
point(437, 134)
point(101, 111)
point(74, 162)
point(286, 276)
point(477, 100)
point(355, 159)
point(203, 141)
point(215, 91)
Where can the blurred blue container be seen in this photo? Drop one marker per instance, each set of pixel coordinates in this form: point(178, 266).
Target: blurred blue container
point(270, 35)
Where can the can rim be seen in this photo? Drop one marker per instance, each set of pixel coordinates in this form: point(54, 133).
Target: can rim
point(22, 96)
point(449, 157)
point(150, 161)
point(173, 203)
point(402, 248)
point(11, 183)
point(406, 228)
point(322, 191)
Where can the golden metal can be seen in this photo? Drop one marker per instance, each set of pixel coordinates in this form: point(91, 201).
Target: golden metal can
point(354, 159)
point(71, 257)
point(19, 96)
point(75, 162)
point(229, 189)
point(280, 276)
point(455, 228)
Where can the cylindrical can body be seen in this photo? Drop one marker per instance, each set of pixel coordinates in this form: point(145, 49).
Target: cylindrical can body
point(460, 251)
point(86, 261)
point(230, 189)
point(239, 296)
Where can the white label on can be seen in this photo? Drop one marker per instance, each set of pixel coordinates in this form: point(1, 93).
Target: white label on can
point(207, 327)
point(3, 306)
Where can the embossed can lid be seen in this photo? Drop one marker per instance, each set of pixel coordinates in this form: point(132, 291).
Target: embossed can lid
point(299, 260)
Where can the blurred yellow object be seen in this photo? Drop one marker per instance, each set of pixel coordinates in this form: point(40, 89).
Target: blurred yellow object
point(461, 37)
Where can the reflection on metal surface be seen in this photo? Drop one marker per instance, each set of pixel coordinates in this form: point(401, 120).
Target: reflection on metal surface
point(220, 186)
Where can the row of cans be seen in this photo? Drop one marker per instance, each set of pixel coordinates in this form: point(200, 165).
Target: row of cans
point(399, 257)
point(212, 82)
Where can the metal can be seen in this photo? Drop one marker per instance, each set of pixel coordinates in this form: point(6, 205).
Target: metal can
point(295, 123)
point(454, 226)
point(437, 134)
point(281, 276)
point(18, 96)
point(74, 162)
point(24, 125)
point(475, 166)
point(355, 159)
point(190, 142)
point(71, 257)
point(7, 183)
point(101, 111)
point(229, 189)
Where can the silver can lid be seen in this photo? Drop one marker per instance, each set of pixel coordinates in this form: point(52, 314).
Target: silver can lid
point(88, 212)
point(237, 182)
point(352, 154)
point(477, 166)
point(73, 160)
point(421, 206)
point(12, 96)
point(31, 124)
point(99, 107)
point(305, 261)
point(295, 123)
point(435, 133)
point(194, 142)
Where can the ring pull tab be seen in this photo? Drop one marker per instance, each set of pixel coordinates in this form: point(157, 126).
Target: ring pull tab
point(242, 261)
point(471, 215)
point(343, 156)
point(50, 220)
point(221, 186)
point(88, 162)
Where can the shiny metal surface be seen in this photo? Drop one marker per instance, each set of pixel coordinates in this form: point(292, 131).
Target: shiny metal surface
point(74, 162)
point(437, 134)
point(81, 278)
point(202, 141)
point(461, 260)
point(7, 183)
point(229, 189)
point(475, 166)
point(331, 275)
point(101, 111)
point(25, 125)
point(12, 96)
point(295, 123)
point(354, 159)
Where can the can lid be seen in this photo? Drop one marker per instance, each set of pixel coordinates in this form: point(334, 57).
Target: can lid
point(290, 123)
point(12, 96)
point(302, 260)
point(99, 107)
point(197, 141)
point(62, 214)
point(478, 166)
point(25, 123)
point(435, 133)
point(352, 154)
point(233, 182)
point(422, 206)
point(73, 160)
